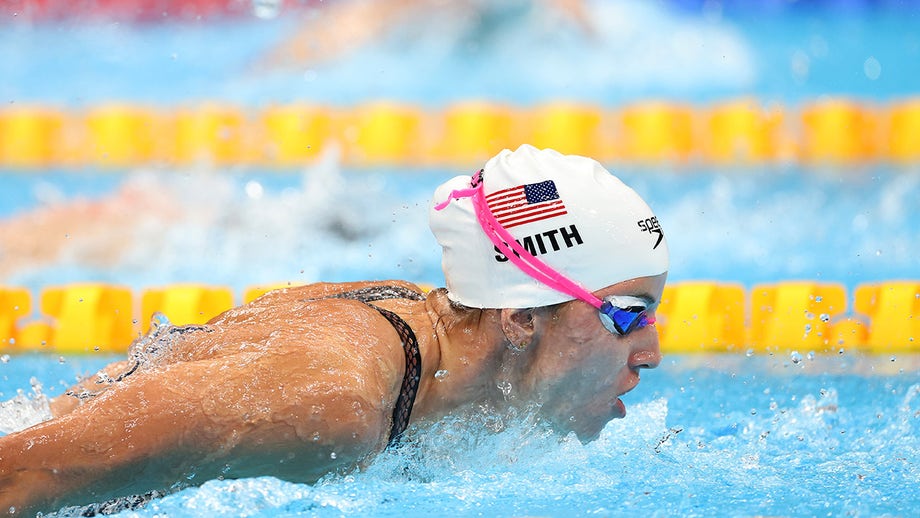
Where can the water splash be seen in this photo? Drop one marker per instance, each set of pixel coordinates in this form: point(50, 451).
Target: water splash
point(157, 343)
point(25, 410)
point(659, 459)
point(325, 224)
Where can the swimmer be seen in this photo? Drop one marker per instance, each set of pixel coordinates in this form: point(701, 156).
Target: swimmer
point(550, 299)
point(91, 232)
point(347, 25)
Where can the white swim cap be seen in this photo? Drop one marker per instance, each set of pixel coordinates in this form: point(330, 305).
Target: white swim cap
point(566, 210)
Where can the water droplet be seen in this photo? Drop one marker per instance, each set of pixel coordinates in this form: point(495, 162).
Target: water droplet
point(807, 329)
point(753, 411)
point(332, 455)
point(61, 359)
point(796, 357)
point(441, 374)
point(749, 353)
point(894, 358)
point(316, 437)
point(872, 68)
point(773, 405)
point(878, 253)
point(505, 387)
point(819, 298)
point(5, 358)
point(825, 317)
point(254, 190)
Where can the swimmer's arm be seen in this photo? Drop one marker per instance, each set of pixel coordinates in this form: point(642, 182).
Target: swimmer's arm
point(89, 387)
point(340, 27)
point(156, 430)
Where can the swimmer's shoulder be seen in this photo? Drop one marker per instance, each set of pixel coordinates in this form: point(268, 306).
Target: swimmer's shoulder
point(324, 290)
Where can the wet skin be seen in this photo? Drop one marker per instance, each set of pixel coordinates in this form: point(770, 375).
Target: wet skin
point(264, 390)
point(579, 370)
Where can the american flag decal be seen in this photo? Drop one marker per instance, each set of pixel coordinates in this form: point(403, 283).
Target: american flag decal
point(526, 203)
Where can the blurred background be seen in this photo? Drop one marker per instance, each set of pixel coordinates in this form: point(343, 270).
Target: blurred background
point(242, 144)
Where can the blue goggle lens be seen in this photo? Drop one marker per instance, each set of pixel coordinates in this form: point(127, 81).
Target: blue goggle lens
point(622, 315)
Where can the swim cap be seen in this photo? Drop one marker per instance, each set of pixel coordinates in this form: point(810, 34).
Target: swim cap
point(566, 210)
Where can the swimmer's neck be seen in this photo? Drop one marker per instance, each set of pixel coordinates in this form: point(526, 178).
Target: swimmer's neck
point(468, 358)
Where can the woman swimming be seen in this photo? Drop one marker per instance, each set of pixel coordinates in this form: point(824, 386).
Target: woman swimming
point(553, 272)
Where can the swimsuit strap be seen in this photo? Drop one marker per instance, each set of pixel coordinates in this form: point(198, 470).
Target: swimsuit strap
point(411, 379)
point(413, 375)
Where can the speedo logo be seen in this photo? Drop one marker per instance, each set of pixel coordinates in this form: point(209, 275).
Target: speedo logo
point(546, 242)
point(651, 226)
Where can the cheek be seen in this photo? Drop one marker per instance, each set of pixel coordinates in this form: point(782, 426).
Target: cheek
point(580, 345)
point(578, 327)
point(575, 344)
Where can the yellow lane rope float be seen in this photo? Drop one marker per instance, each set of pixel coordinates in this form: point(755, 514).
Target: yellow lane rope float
point(694, 316)
point(827, 131)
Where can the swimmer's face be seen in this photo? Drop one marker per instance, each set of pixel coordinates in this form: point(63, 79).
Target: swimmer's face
point(580, 369)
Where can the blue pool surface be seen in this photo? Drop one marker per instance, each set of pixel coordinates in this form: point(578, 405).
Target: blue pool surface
point(635, 49)
point(728, 435)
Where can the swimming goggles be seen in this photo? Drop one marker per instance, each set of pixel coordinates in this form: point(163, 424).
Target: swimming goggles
point(619, 314)
point(623, 314)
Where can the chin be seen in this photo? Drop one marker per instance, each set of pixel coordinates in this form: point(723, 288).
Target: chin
point(587, 430)
point(586, 437)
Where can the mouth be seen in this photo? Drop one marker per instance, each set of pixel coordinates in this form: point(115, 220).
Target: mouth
point(619, 409)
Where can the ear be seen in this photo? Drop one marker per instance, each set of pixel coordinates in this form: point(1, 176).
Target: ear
point(518, 327)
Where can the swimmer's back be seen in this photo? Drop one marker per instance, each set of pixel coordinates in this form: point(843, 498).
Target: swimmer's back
point(307, 318)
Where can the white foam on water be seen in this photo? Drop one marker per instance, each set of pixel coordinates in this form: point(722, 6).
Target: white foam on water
point(24, 410)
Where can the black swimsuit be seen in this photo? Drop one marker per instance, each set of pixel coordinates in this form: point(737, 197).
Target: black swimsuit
point(413, 374)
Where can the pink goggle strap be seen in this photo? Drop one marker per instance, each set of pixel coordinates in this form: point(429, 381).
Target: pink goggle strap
point(506, 244)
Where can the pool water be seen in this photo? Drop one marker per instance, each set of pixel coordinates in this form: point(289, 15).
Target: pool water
point(245, 228)
point(704, 435)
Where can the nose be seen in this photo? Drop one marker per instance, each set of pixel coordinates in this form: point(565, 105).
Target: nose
point(646, 352)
